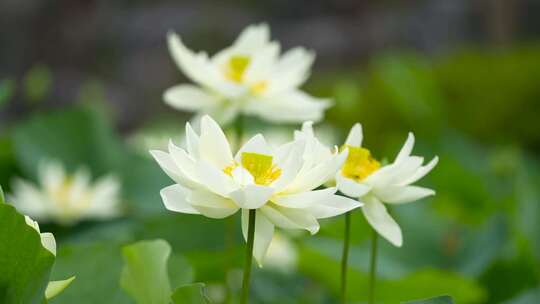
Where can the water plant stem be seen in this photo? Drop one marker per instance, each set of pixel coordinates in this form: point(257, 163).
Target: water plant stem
point(372, 267)
point(249, 257)
point(345, 257)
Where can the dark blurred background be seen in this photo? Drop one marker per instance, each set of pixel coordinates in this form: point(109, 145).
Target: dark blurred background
point(82, 81)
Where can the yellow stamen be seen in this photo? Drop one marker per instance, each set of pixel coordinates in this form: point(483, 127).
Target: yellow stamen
point(229, 169)
point(236, 67)
point(359, 164)
point(260, 166)
point(259, 87)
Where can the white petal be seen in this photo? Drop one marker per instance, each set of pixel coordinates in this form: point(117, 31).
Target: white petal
point(307, 129)
point(421, 172)
point(377, 216)
point(290, 218)
point(304, 199)
point(251, 196)
point(288, 107)
point(224, 113)
point(183, 161)
point(318, 175)
point(195, 66)
point(355, 136)
point(48, 241)
point(51, 174)
point(252, 39)
point(404, 169)
point(351, 187)
point(402, 194)
point(213, 145)
point(192, 140)
point(406, 149)
point(211, 205)
point(166, 163)
point(215, 179)
point(291, 70)
point(189, 97)
point(256, 144)
point(174, 198)
point(262, 63)
point(290, 165)
point(242, 176)
point(80, 185)
point(264, 230)
point(106, 198)
point(28, 199)
point(333, 206)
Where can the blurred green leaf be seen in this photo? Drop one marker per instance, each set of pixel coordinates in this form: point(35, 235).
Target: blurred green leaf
point(75, 136)
point(489, 88)
point(520, 267)
point(37, 82)
point(7, 89)
point(437, 300)
point(54, 288)
point(144, 275)
point(420, 284)
point(25, 264)
point(190, 294)
point(526, 297)
point(98, 266)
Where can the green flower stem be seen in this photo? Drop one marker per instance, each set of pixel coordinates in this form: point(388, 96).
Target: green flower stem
point(373, 267)
point(345, 256)
point(249, 257)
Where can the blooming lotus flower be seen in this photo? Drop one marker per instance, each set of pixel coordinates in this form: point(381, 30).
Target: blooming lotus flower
point(279, 183)
point(47, 239)
point(362, 176)
point(249, 77)
point(66, 198)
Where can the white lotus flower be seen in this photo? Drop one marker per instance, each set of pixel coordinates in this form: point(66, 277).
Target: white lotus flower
point(363, 177)
point(47, 239)
point(279, 183)
point(249, 77)
point(66, 198)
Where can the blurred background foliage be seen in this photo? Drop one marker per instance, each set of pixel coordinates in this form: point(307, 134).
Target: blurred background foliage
point(81, 81)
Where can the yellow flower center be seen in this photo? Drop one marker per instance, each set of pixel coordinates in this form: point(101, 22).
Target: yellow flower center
point(260, 166)
point(259, 87)
point(236, 67)
point(61, 195)
point(359, 164)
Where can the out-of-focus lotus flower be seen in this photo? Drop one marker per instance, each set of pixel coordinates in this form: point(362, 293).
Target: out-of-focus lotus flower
point(64, 198)
point(282, 254)
point(249, 77)
point(362, 176)
point(278, 182)
point(47, 239)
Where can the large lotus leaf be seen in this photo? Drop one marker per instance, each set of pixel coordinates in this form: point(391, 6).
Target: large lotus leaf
point(25, 264)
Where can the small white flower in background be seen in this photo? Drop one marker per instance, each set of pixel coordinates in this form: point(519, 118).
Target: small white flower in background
point(64, 198)
point(363, 177)
point(249, 77)
point(279, 183)
point(47, 239)
point(282, 254)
